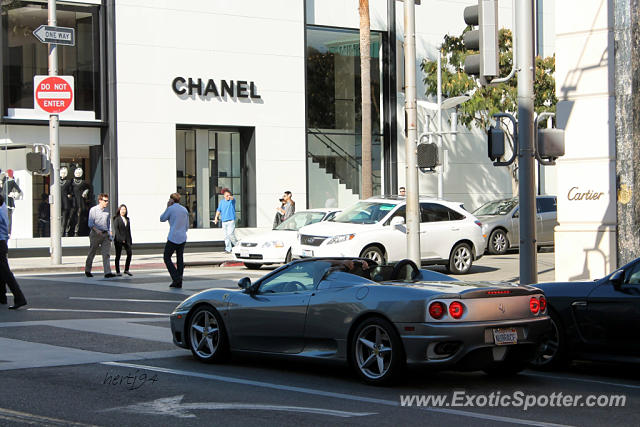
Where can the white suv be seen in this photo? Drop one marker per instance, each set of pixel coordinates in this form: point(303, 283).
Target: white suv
point(375, 229)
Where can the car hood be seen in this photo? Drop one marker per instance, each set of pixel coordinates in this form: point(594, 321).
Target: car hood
point(487, 219)
point(330, 228)
point(285, 236)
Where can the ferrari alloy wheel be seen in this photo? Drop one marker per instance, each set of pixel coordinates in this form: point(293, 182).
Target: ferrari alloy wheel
point(551, 352)
point(460, 259)
point(207, 339)
point(376, 351)
point(373, 253)
point(498, 242)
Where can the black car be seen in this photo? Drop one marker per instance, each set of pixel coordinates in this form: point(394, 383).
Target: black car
point(597, 320)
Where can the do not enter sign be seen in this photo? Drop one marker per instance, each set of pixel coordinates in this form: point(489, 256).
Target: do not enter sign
point(53, 94)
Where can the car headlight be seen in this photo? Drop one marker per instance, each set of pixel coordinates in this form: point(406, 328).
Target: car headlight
point(274, 243)
point(341, 238)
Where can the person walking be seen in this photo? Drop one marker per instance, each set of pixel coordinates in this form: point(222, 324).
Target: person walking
point(178, 218)
point(6, 276)
point(99, 235)
point(289, 207)
point(122, 238)
point(227, 213)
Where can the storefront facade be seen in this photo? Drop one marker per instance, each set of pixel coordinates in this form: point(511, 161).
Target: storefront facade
point(258, 97)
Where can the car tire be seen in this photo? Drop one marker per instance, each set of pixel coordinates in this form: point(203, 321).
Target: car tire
point(206, 334)
point(505, 369)
point(252, 265)
point(461, 259)
point(288, 257)
point(376, 352)
point(552, 353)
point(498, 242)
point(373, 253)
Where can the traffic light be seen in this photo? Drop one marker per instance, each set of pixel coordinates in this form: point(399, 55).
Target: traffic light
point(495, 143)
point(484, 39)
point(37, 163)
point(427, 156)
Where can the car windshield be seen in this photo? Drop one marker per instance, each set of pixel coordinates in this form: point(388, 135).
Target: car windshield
point(365, 213)
point(497, 207)
point(300, 219)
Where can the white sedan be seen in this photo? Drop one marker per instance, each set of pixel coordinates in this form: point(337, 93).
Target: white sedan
point(274, 247)
point(375, 229)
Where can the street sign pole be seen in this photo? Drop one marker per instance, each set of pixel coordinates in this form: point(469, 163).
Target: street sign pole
point(411, 142)
point(526, 173)
point(54, 185)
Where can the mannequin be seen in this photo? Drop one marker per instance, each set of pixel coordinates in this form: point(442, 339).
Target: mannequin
point(68, 203)
point(82, 197)
point(12, 191)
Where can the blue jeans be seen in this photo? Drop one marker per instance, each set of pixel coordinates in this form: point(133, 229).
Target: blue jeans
point(230, 240)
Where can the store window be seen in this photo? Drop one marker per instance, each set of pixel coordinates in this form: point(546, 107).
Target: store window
point(207, 162)
point(24, 56)
point(334, 114)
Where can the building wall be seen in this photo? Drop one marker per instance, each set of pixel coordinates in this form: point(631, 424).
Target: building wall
point(585, 237)
point(252, 40)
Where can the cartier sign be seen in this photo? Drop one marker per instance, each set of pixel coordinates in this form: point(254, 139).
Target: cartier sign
point(237, 89)
point(576, 194)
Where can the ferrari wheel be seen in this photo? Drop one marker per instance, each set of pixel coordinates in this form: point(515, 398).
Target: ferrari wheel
point(498, 242)
point(207, 339)
point(551, 353)
point(376, 351)
point(460, 259)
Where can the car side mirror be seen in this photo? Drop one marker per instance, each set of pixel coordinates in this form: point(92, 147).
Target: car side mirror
point(396, 220)
point(244, 283)
point(617, 278)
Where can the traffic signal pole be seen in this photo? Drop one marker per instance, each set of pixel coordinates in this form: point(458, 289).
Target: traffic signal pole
point(54, 148)
point(526, 172)
point(411, 141)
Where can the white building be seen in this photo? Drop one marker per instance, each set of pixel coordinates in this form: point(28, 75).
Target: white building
point(259, 97)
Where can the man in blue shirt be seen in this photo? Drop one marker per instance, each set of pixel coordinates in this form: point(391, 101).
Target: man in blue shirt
point(178, 218)
point(227, 213)
point(99, 236)
point(6, 276)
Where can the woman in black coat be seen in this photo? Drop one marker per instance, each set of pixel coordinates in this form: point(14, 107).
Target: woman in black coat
point(122, 238)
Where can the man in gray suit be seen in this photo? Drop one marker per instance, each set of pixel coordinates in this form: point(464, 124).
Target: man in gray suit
point(100, 235)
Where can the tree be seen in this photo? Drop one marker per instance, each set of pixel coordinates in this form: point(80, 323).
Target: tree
point(486, 101)
point(365, 84)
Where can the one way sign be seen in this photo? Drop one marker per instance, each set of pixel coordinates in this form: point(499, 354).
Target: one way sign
point(56, 35)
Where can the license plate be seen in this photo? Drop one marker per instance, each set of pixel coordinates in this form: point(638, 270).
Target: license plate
point(505, 336)
point(306, 252)
point(244, 254)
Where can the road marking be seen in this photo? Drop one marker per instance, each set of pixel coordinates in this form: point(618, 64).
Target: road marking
point(584, 380)
point(23, 417)
point(127, 300)
point(173, 406)
point(99, 311)
point(330, 394)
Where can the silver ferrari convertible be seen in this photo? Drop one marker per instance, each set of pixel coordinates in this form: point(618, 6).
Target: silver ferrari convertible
point(377, 318)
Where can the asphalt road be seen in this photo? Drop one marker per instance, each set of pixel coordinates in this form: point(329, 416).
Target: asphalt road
point(99, 352)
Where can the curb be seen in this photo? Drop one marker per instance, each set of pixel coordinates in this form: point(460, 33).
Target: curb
point(155, 265)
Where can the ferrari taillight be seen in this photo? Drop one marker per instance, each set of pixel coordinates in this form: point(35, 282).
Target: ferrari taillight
point(543, 304)
point(534, 305)
point(456, 309)
point(436, 310)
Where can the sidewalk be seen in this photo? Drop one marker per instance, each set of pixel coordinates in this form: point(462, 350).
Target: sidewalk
point(138, 262)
